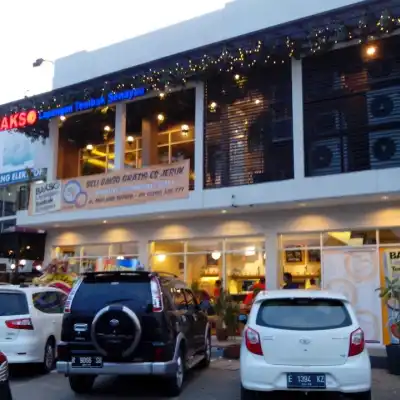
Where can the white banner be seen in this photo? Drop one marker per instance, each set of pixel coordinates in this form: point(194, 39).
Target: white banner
point(355, 273)
point(45, 197)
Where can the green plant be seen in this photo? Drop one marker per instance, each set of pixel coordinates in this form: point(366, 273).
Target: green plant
point(390, 294)
point(227, 312)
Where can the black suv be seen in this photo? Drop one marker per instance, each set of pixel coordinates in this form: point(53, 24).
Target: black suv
point(132, 323)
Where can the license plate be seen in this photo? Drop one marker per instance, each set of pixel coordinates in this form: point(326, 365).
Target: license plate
point(306, 381)
point(87, 362)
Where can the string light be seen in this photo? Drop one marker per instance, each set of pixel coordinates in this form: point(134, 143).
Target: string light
point(227, 59)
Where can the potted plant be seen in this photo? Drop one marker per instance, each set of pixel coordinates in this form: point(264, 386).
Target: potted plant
point(390, 294)
point(227, 312)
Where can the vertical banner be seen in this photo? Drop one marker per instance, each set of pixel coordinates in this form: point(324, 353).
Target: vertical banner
point(355, 274)
point(392, 271)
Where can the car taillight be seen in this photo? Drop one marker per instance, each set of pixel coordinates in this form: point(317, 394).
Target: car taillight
point(253, 342)
point(357, 342)
point(72, 293)
point(156, 295)
point(3, 358)
point(23, 324)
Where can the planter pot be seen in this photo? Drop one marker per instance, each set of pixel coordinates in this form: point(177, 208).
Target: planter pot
point(222, 334)
point(393, 358)
point(232, 352)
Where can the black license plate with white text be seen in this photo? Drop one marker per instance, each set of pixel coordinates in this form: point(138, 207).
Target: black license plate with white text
point(86, 362)
point(306, 381)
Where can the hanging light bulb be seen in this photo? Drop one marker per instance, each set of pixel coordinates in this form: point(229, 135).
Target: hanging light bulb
point(160, 117)
point(63, 118)
point(216, 255)
point(185, 130)
point(107, 128)
point(162, 95)
point(371, 51)
point(130, 139)
point(89, 147)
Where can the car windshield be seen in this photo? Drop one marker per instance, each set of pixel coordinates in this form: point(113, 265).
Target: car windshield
point(13, 304)
point(303, 314)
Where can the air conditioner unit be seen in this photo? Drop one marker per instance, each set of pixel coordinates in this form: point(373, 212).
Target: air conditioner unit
point(383, 106)
point(325, 156)
point(384, 149)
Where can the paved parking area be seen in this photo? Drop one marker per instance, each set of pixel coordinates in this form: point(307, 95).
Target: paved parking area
point(221, 382)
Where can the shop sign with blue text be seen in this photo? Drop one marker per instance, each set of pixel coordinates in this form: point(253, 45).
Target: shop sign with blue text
point(102, 101)
point(21, 176)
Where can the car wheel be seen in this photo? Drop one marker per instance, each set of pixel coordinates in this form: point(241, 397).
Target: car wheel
point(248, 394)
point(175, 382)
point(81, 384)
point(205, 362)
point(361, 396)
point(49, 357)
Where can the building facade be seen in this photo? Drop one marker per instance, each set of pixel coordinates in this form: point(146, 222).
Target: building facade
point(270, 145)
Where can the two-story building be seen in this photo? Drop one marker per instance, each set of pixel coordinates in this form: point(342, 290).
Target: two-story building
point(248, 142)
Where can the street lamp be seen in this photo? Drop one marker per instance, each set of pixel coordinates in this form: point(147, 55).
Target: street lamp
point(40, 61)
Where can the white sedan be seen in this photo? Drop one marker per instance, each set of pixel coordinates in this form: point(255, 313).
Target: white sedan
point(308, 341)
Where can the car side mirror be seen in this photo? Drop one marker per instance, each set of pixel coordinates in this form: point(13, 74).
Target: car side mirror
point(242, 318)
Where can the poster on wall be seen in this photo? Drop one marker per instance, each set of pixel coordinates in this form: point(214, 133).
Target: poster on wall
point(392, 271)
point(355, 274)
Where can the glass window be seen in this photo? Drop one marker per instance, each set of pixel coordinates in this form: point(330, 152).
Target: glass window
point(303, 314)
point(48, 302)
point(97, 250)
point(179, 299)
point(8, 225)
point(121, 249)
point(97, 292)
point(168, 263)
point(202, 271)
point(190, 299)
point(168, 247)
point(13, 304)
point(248, 246)
point(206, 246)
point(389, 236)
point(349, 238)
point(300, 240)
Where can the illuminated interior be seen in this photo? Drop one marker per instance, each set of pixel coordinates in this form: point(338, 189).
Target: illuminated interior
point(159, 130)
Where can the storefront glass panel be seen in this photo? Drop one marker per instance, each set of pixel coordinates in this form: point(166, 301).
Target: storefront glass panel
point(349, 238)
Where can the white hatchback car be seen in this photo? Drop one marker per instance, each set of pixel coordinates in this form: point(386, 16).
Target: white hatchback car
point(30, 324)
point(300, 340)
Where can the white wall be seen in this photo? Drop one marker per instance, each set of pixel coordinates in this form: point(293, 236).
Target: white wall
point(239, 17)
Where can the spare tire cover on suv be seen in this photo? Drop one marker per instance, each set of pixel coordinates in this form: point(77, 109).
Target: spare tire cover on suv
point(116, 331)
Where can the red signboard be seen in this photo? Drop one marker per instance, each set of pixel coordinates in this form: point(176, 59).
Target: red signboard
point(18, 120)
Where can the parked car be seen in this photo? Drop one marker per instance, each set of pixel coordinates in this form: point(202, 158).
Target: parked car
point(30, 324)
point(5, 391)
point(132, 323)
point(308, 341)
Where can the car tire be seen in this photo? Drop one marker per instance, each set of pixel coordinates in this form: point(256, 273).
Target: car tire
point(175, 382)
point(361, 396)
point(49, 357)
point(248, 394)
point(81, 384)
point(205, 362)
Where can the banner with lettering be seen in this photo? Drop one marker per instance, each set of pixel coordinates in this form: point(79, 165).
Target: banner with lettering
point(392, 271)
point(45, 198)
point(120, 188)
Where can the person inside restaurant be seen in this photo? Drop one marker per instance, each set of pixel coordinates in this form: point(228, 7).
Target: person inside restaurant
point(288, 279)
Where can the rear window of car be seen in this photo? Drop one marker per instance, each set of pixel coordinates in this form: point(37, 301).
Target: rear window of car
point(95, 294)
point(13, 304)
point(303, 314)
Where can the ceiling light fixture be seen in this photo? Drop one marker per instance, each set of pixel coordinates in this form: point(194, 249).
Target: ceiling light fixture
point(63, 118)
point(107, 128)
point(161, 117)
point(89, 147)
point(371, 51)
point(185, 130)
point(130, 139)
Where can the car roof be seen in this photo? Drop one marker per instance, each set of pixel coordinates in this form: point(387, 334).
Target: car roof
point(299, 294)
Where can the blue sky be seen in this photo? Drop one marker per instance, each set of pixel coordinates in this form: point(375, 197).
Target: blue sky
point(52, 29)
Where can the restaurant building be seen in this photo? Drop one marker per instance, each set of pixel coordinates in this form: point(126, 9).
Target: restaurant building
point(266, 146)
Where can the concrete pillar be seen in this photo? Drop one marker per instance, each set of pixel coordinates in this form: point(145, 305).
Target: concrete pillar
point(298, 119)
point(52, 160)
point(199, 138)
point(120, 136)
point(272, 265)
point(149, 142)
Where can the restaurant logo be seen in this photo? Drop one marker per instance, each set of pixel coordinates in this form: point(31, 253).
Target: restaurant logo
point(18, 120)
point(45, 197)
